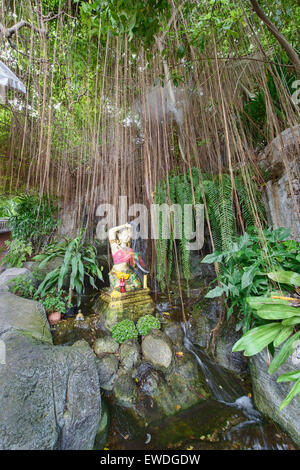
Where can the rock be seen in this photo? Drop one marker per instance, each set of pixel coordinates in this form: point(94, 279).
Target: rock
point(68, 331)
point(107, 367)
point(227, 337)
point(49, 396)
point(174, 332)
point(11, 273)
point(205, 317)
point(125, 391)
point(24, 314)
point(157, 349)
point(130, 355)
point(281, 159)
point(105, 344)
point(102, 433)
point(268, 394)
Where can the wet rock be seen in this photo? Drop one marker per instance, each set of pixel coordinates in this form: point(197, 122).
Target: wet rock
point(268, 394)
point(9, 274)
point(24, 314)
point(125, 391)
point(174, 332)
point(204, 319)
point(130, 355)
point(107, 367)
point(102, 433)
point(49, 396)
point(157, 349)
point(151, 382)
point(69, 331)
point(105, 344)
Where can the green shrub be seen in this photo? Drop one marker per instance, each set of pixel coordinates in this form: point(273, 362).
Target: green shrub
point(79, 263)
point(243, 269)
point(279, 319)
point(34, 219)
point(54, 302)
point(18, 250)
point(124, 330)
point(23, 286)
point(147, 323)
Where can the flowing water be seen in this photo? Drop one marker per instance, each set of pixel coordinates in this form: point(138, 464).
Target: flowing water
point(238, 425)
point(226, 421)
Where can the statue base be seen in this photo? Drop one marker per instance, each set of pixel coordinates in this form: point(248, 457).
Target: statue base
point(116, 306)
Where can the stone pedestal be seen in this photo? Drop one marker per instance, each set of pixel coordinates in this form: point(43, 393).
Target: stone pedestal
point(115, 306)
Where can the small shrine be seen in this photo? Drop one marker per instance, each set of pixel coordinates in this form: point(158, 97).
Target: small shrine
point(128, 295)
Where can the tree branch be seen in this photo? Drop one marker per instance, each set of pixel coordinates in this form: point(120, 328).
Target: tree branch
point(292, 54)
point(9, 32)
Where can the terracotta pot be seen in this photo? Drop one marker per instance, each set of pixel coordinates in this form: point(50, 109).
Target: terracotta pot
point(54, 318)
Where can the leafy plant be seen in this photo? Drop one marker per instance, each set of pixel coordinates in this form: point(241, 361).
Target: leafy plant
point(217, 193)
point(124, 330)
point(147, 323)
point(79, 262)
point(242, 269)
point(54, 301)
point(18, 251)
point(281, 317)
point(34, 218)
point(23, 286)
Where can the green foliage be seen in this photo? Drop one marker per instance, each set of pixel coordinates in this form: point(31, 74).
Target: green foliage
point(34, 218)
point(273, 334)
point(124, 330)
point(18, 251)
point(54, 301)
point(147, 323)
point(218, 194)
point(7, 206)
point(23, 286)
point(132, 17)
point(79, 262)
point(255, 113)
point(243, 268)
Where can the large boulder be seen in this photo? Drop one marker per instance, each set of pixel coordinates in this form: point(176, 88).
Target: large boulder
point(205, 332)
point(24, 314)
point(9, 274)
point(268, 394)
point(49, 395)
point(282, 194)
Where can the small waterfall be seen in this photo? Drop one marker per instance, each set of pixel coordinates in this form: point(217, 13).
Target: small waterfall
point(225, 388)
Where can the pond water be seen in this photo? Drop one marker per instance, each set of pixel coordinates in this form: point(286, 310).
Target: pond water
point(226, 421)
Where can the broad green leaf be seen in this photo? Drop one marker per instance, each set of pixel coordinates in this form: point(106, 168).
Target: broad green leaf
point(257, 339)
point(216, 292)
point(289, 376)
point(286, 350)
point(291, 321)
point(213, 257)
point(285, 332)
point(248, 276)
point(285, 277)
point(294, 391)
point(277, 312)
point(258, 302)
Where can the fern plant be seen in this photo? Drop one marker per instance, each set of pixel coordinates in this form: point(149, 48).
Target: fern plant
point(219, 195)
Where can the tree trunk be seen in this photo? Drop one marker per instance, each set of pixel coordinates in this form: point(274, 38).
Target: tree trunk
point(292, 54)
